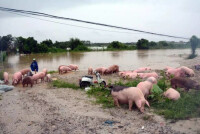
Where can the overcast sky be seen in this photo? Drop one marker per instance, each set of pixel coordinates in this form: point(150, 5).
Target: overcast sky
point(173, 17)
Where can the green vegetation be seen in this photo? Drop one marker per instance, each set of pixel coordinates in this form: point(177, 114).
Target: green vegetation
point(62, 84)
point(102, 96)
point(186, 107)
point(30, 45)
point(52, 72)
point(116, 45)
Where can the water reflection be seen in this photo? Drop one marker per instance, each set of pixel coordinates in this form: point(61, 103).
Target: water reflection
point(142, 54)
point(156, 59)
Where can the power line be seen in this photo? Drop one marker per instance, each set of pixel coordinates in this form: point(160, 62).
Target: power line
point(72, 24)
point(88, 22)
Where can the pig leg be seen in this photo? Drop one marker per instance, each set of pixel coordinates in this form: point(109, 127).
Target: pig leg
point(130, 104)
point(116, 102)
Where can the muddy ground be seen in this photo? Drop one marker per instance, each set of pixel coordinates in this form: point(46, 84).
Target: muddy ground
point(47, 110)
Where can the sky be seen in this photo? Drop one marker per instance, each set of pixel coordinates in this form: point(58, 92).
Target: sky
point(172, 17)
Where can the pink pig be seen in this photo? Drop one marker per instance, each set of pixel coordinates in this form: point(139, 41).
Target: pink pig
point(128, 96)
point(25, 71)
point(131, 75)
point(45, 71)
point(178, 72)
point(188, 71)
point(146, 87)
point(172, 94)
point(147, 75)
point(73, 67)
point(142, 69)
point(48, 78)
point(101, 70)
point(90, 71)
point(64, 69)
point(152, 80)
point(5, 76)
point(17, 77)
point(35, 77)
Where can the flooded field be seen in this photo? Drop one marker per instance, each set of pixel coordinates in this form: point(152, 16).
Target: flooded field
point(157, 59)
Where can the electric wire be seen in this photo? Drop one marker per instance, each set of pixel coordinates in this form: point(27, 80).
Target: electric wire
point(83, 21)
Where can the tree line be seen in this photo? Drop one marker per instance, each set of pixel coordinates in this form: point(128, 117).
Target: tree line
point(29, 45)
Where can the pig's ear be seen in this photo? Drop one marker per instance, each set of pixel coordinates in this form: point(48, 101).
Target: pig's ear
point(147, 103)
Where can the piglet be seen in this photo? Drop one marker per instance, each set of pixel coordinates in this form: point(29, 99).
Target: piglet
point(48, 76)
point(128, 96)
point(27, 80)
point(184, 83)
point(17, 77)
point(5, 76)
point(172, 94)
point(45, 71)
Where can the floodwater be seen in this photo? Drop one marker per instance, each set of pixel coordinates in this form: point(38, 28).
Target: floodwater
point(127, 60)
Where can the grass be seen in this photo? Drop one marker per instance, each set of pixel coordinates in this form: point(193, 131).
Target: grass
point(62, 84)
point(52, 72)
point(102, 96)
point(188, 106)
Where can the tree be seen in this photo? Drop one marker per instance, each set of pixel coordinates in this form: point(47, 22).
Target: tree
point(117, 45)
point(74, 43)
point(194, 41)
point(48, 43)
point(142, 44)
point(6, 43)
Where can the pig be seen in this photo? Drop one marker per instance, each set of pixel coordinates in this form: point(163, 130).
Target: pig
point(114, 68)
point(132, 75)
point(27, 80)
point(90, 71)
point(17, 77)
point(142, 69)
point(189, 72)
point(73, 67)
point(117, 88)
point(64, 69)
point(146, 87)
point(48, 78)
point(5, 76)
point(35, 77)
point(178, 72)
point(147, 75)
point(41, 76)
point(45, 71)
point(172, 94)
point(128, 96)
point(184, 83)
point(25, 71)
point(59, 68)
point(152, 80)
point(100, 70)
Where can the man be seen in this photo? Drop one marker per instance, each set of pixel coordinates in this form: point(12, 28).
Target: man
point(34, 66)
